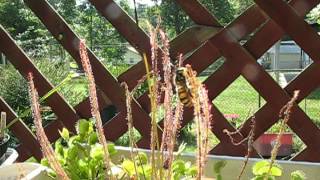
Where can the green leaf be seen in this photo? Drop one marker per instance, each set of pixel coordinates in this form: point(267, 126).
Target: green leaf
point(83, 127)
point(178, 166)
point(58, 148)
point(262, 168)
point(73, 65)
point(64, 134)
point(93, 138)
point(298, 175)
point(219, 165)
point(97, 152)
point(111, 148)
point(276, 171)
point(45, 162)
point(192, 172)
point(128, 166)
point(141, 158)
point(259, 165)
point(72, 152)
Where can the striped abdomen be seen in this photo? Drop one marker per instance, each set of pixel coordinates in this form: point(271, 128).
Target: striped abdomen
point(185, 96)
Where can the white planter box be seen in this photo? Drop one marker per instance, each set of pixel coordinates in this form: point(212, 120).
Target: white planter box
point(234, 165)
point(9, 158)
point(24, 171)
point(33, 171)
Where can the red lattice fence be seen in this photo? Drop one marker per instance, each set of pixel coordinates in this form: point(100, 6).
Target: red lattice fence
point(268, 20)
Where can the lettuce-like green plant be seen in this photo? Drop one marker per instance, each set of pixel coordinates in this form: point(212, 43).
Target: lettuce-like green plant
point(298, 175)
point(218, 167)
point(261, 171)
point(81, 155)
point(180, 168)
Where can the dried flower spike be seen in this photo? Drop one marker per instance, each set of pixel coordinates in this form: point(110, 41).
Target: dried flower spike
point(46, 147)
point(94, 104)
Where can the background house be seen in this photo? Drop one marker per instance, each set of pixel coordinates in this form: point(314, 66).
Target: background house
point(285, 55)
point(131, 56)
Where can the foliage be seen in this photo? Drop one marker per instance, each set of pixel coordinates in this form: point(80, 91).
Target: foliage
point(221, 9)
point(93, 27)
point(314, 15)
point(23, 26)
point(241, 5)
point(298, 175)
point(174, 18)
point(218, 167)
point(261, 171)
point(13, 87)
point(66, 9)
point(81, 156)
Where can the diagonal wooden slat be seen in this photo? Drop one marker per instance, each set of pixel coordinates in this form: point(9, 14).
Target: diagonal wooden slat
point(200, 14)
point(21, 131)
point(140, 40)
point(24, 65)
point(293, 24)
point(267, 88)
point(295, 81)
point(105, 81)
point(229, 39)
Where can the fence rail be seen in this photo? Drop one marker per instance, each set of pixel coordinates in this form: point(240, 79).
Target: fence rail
point(268, 20)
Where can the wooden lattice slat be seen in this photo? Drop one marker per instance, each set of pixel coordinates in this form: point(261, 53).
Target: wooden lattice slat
point(57, 26)
point(24, 65)
point(20, 130)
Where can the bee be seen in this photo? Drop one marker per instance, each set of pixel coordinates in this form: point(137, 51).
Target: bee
point(183, 87)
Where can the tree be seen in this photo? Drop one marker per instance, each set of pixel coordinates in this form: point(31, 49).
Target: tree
point(66, 8)
point(173, 17)
point(241, 5)
point(314, 15)
point(176, 20)
point(221, 9)
point(24, 27)
point(102, 37)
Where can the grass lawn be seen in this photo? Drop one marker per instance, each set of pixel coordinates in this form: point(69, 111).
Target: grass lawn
point(241, 98)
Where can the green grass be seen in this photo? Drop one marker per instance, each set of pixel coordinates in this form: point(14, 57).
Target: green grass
point(241, 98)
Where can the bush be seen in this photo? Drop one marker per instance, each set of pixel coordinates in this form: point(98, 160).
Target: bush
point(14, 88)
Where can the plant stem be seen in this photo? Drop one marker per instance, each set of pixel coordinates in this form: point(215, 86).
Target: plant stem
point(154, 133)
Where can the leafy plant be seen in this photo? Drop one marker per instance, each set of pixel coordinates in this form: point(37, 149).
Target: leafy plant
point(298, 175)
point(217, 169)
point(261, 171)
point(81, 155)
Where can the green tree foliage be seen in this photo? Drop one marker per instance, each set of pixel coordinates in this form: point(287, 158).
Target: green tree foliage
point(173, 17)
point(241, 5)
point(221, 9)
point(20, 22)
point(31, 34)
point(66, 8)
point(101, 36)
point(314, 15)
